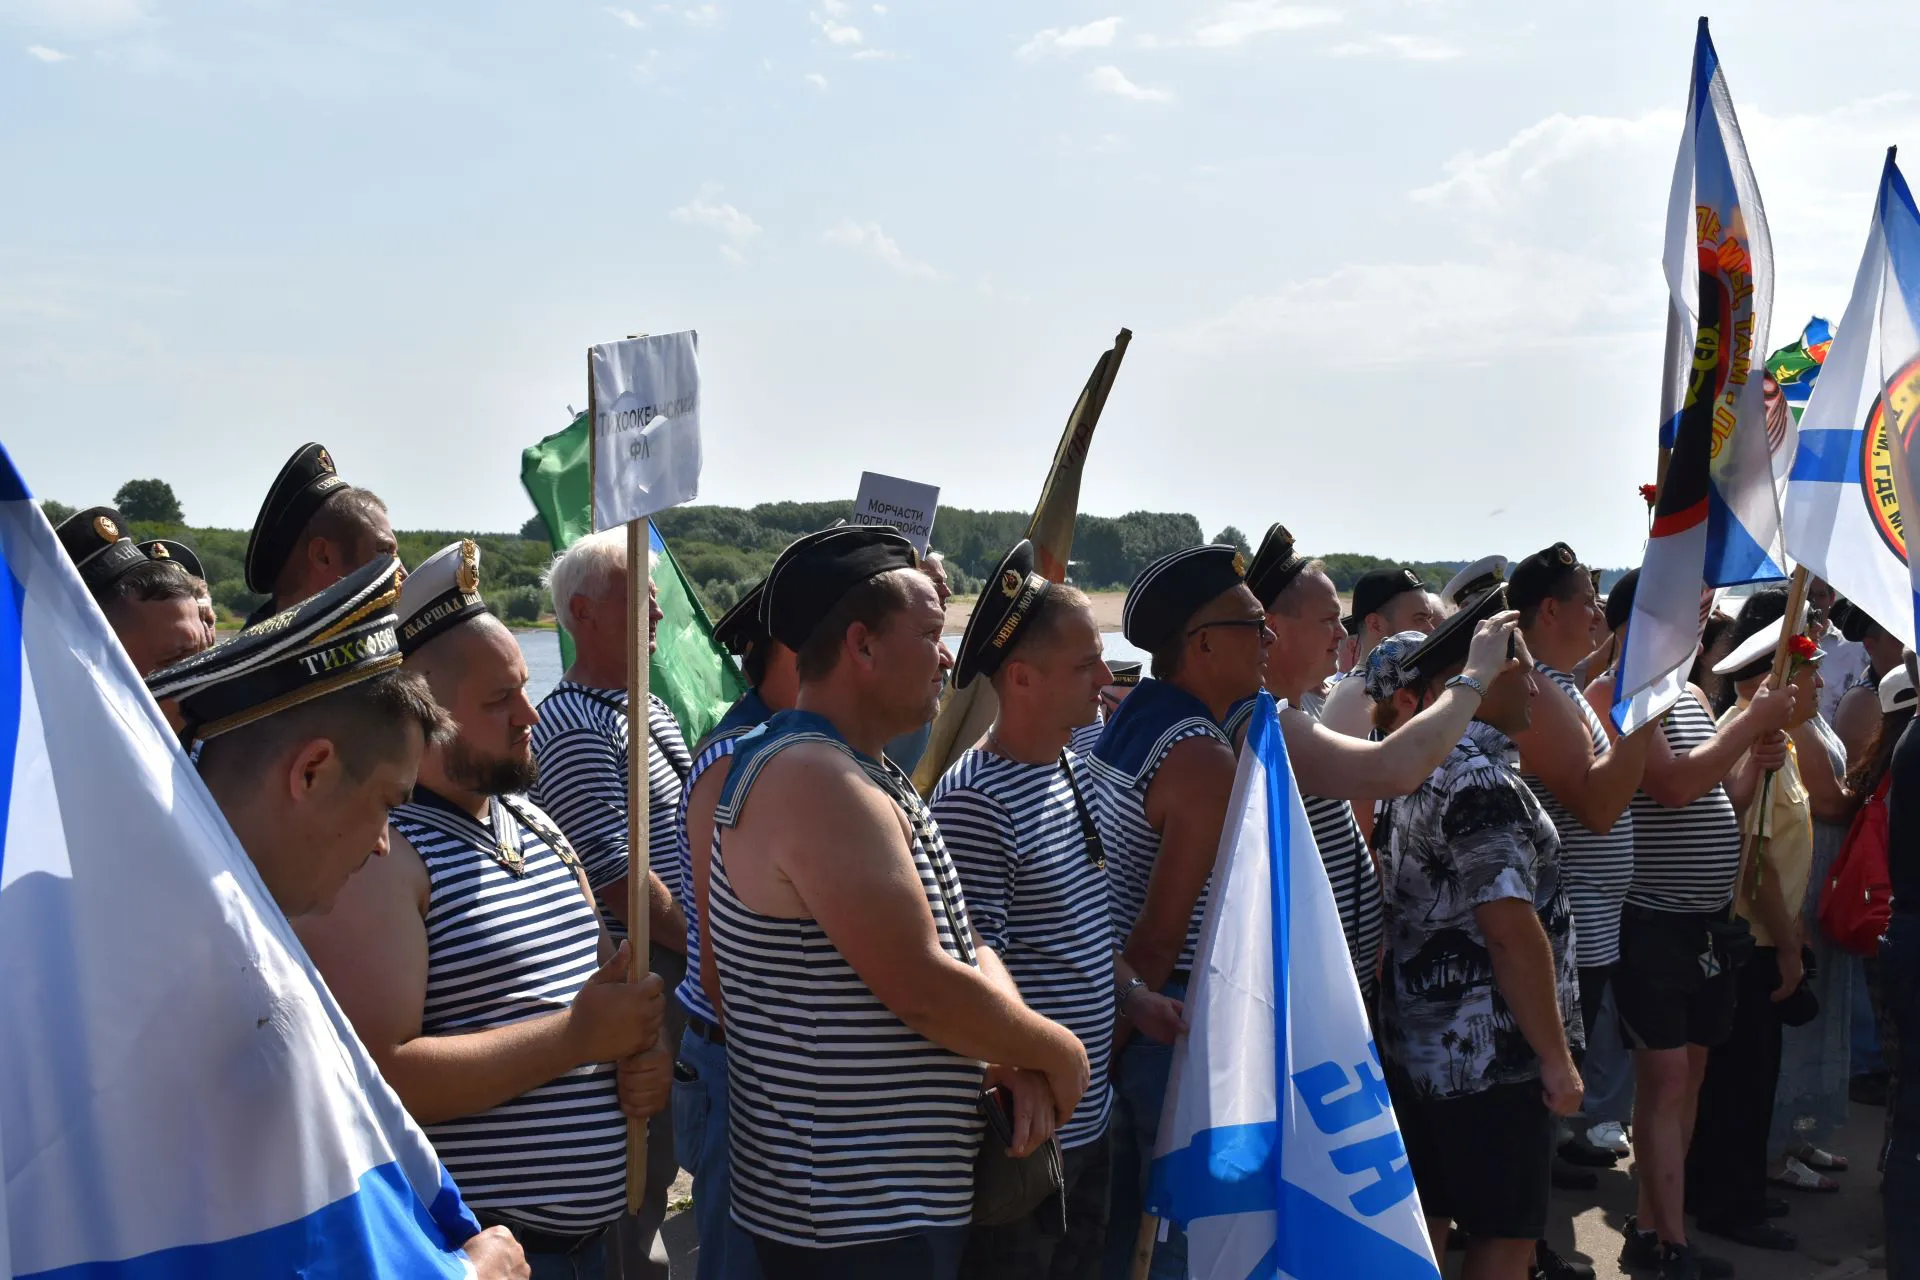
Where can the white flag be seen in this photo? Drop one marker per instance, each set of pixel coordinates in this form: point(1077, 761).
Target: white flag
point(1279, 1152)
point(179, 1094)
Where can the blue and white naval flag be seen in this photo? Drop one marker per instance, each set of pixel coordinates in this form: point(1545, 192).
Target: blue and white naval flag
point(1279, 1153)
point(1841, 508)
point(179, 1094)
point(1717, 520)
point(1893, 422)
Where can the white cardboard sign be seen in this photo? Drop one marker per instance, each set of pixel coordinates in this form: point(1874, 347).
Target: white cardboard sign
point(907, 505)
point(646, 426)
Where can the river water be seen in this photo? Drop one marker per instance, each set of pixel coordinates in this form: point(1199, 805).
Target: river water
point(542, 650)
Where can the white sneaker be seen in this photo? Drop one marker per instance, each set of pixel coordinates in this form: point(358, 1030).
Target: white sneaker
point(1609, 1136)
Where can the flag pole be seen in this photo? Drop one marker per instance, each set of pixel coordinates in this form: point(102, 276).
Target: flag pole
point(1755, 829)
point(1143, 1246)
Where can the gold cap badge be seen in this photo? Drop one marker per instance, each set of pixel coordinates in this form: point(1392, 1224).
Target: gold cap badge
point(1010, 584)
point(1239, 564)
point(468, 574)
point(159, 551)
point(107, 529)
point(325, 460)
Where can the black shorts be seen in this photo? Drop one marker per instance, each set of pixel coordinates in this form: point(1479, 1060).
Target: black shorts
point(1673, 987)
point(1482, 1159)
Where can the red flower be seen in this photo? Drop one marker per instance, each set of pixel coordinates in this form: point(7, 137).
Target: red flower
point(1649, 492)
point(1802, 647)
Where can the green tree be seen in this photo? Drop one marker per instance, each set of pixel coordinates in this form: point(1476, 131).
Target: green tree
point(535, 530)
point(1232, 537)
point(55, 510)
point(149, 500)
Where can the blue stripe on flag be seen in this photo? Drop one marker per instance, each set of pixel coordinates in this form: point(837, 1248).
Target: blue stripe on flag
point(1706, 65)
point(11, 670)
point(1828, 457)
point(1270, 748)
point(1733, 557)
point(12, 487)
point(375, 1232)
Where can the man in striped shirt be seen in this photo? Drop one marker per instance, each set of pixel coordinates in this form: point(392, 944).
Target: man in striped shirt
point(1303, 612)
point(1385, 603)
point(701, 1101)
point(1013, 816)
point(472, 962)
point(1674, 985)
point(581, 743)
point(859, 1004)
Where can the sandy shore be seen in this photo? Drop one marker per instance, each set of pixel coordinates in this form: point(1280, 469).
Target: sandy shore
point(1106, 610)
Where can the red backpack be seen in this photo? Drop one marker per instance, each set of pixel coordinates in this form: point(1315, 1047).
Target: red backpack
point(1858, 902)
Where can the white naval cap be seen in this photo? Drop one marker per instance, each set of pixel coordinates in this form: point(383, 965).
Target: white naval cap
point(442, 593)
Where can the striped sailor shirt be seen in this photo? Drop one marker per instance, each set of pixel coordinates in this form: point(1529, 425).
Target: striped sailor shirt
point(1685, 859)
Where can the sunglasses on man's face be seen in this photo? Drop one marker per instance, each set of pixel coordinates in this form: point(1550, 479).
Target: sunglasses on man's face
point(1259, 622)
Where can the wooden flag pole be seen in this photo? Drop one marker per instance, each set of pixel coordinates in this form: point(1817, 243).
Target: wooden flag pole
point(1754, 832)
point(1143, 1246)
point(639, 871)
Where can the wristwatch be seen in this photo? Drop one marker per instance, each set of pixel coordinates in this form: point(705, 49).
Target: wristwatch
point(1127, 989)
point(1464, 679)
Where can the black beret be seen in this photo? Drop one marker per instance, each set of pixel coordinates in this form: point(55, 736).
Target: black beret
point(1853, 622)
point(815, 573)
point(1448, 645)
point(1173, 588)
point(96, 540)
point(740, 630)
point(1375, 588)
point(329, 641)
point(1274, 566)
point(440, 595)
point(1533, 579)
point(1620, 600)
point(303, 484)
point(1008, 601)
point(178, 552)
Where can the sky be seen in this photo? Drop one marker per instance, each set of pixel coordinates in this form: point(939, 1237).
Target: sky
point(1391, 266)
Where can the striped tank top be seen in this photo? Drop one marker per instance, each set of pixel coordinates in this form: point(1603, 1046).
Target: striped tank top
point(581, 744)
point(1036, 887)
point(1345, 858)
point(1685, 859)
point(1597, 868)
point(847, 1125)
point(502, 947)
point(1155, 718)
point(717, 745)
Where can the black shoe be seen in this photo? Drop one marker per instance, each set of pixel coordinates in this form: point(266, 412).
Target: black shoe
point(1678, 1262)
point(1755, 1235)
point(1641, 1252)
point(1578, 1150)
point(1548, 1265)
point(1776, 1208)
point(1569, 1177)
point(1869, 1089)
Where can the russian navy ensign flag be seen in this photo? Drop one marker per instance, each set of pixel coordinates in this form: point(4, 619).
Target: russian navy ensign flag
point(1279, 1152)
point(179, 1094)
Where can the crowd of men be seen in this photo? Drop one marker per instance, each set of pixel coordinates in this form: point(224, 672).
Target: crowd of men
point(894, 1036)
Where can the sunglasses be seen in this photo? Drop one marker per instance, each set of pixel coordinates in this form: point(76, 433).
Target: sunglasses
point(1259, 623)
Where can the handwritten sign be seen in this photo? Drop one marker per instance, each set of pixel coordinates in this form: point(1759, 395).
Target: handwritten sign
point(905, 504)
point(646, 426)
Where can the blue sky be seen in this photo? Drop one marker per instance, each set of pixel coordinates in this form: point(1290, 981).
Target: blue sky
point(1392, 267)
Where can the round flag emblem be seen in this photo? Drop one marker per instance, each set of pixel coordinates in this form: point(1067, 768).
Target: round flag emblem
point(1876, 461)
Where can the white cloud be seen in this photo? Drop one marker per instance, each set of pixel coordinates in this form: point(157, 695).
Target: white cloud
point(838, 33)
point(724, 218)
point(875, 55)
point(702, 15)
point(1113, 80)
point(733, 255)
point(627, 17)
point(868, 238)
point(1238, 21)
point(1408, 48)
point(880, 9)
point(45, 54)
point(1093, 35)
point(835, 8)
point(77, 17)
point(817, 80)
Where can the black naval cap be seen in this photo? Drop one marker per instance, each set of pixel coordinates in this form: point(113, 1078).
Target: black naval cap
point(1853, 622)
point(303, 484)
point(1173, 588)
point(1533, 579)
point(1010, 599)
point(166, 549)
point(1374, 589)
point(1450, 641)
point(740, 630)
point(338, 638)
point(1620, 600)
point(815, 573)
point(1274, 566)
point(96, 540)
point(440, 595)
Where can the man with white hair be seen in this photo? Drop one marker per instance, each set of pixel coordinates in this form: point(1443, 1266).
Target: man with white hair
point(581, 744)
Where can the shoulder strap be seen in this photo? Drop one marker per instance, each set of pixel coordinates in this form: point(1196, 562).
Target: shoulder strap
point(1096, 852)
point(537, 824)
point(594, 695)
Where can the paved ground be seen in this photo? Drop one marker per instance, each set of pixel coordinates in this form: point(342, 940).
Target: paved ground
point(1840, 1235)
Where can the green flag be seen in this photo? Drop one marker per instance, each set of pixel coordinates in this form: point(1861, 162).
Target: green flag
point(692, 674)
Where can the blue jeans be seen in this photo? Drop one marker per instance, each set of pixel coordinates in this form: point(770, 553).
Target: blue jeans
point(701, 1147)
point(1140, 1087)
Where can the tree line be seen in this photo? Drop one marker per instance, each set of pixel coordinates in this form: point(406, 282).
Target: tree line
point(725, 550)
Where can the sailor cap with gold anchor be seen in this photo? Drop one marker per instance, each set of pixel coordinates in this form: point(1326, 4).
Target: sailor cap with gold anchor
point(440, 595)
point(96, 540)
point(1009, 600)
point(164, 549)
point(303, 484)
